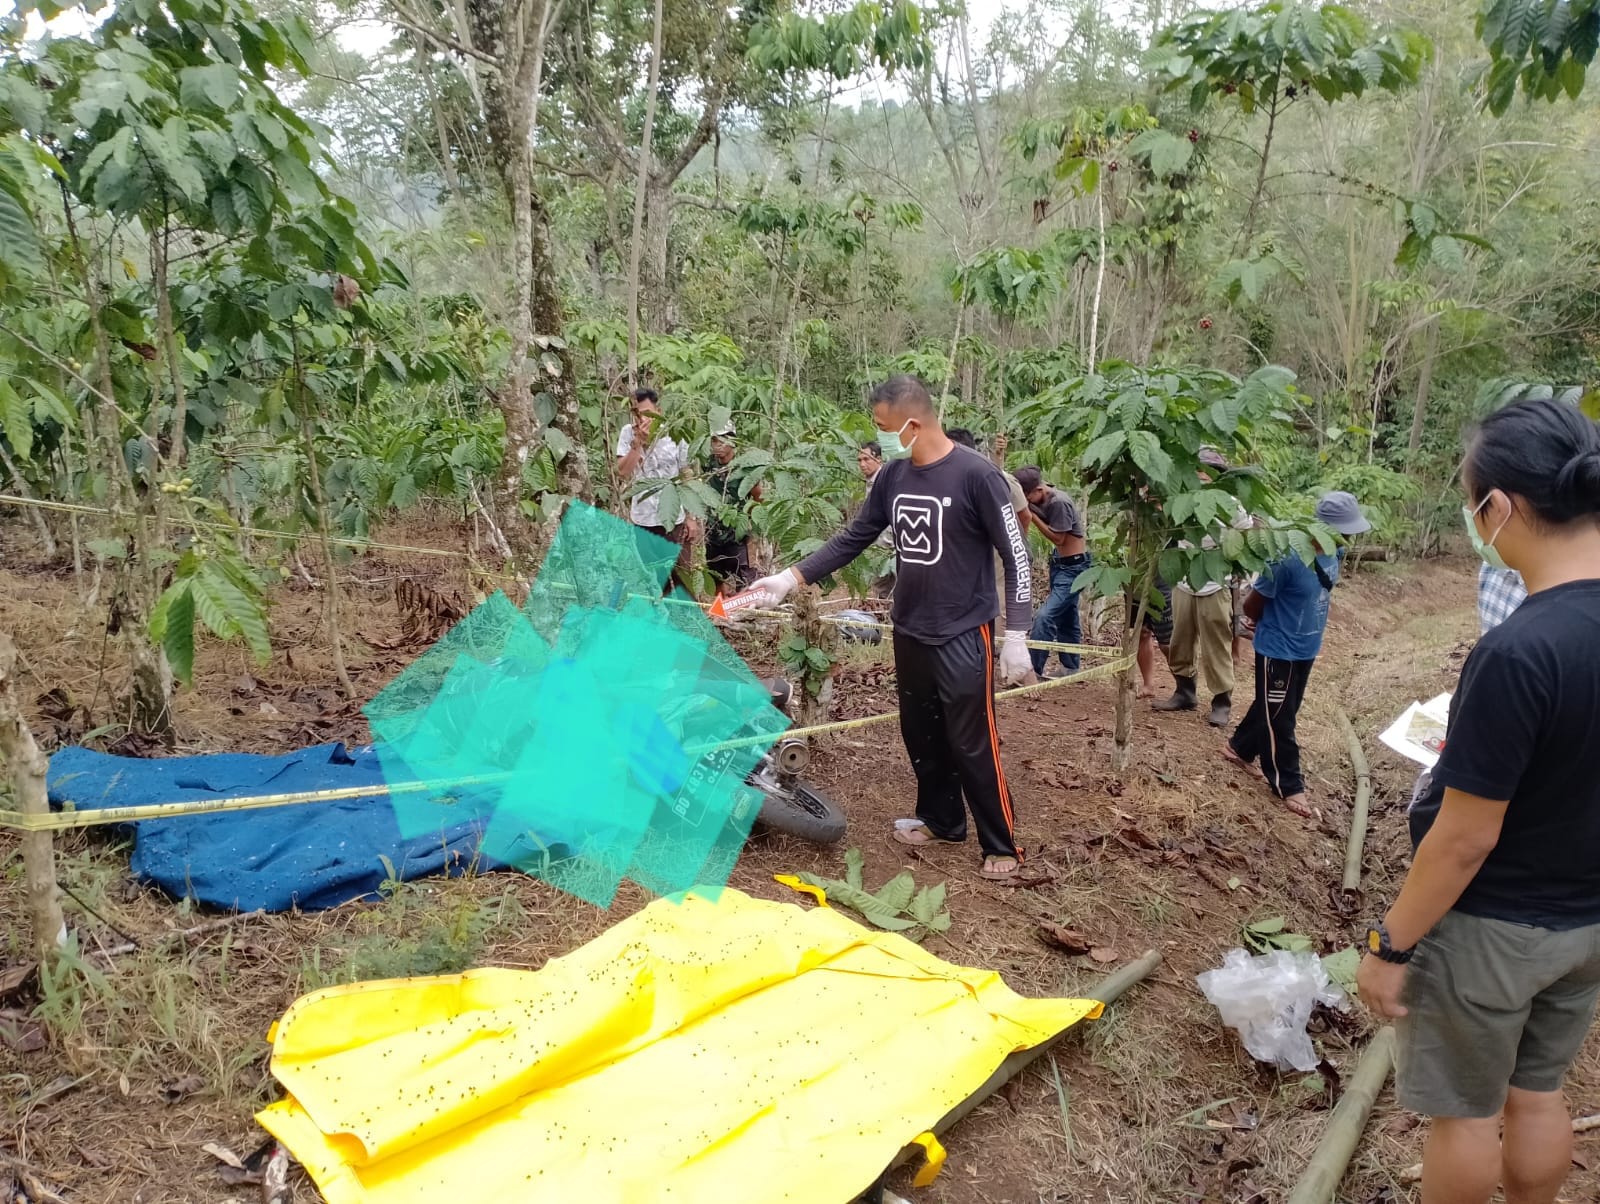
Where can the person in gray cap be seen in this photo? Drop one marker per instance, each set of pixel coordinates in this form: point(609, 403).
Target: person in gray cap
point(1289, 603)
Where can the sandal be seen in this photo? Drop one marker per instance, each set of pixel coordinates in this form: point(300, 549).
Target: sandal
point(916, 834)
point(992, 871)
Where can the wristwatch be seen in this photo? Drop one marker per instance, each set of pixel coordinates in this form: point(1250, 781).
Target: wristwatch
point(1378, 945)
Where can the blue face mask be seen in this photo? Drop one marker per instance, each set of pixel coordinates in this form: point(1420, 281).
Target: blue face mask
point(889, 441)
point(1486, 549)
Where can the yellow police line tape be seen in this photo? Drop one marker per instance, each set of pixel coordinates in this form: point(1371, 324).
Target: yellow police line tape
point(342, 541)
point(755, 612)
point(11, 499)
point(62, 821)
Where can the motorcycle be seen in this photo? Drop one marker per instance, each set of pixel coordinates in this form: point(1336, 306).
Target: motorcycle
point(789, 804)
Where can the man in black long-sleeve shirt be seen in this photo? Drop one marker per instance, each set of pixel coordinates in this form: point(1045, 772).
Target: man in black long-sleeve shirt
point(949, 511)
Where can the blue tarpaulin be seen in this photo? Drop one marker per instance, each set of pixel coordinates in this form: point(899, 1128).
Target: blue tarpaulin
point(308, 856)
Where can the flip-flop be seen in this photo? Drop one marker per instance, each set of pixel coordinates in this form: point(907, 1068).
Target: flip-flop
point(917, 834)
point(997, 875)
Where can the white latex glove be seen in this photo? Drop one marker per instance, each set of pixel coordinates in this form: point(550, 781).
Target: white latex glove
point(1015, 663)
point(778, 586)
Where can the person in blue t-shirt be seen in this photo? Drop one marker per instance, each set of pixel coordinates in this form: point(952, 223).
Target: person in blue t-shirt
point(1289, 603)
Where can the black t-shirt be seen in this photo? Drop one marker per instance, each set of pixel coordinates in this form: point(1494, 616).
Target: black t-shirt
point(1525, 726)
point(948, 518)
point(1059, 514)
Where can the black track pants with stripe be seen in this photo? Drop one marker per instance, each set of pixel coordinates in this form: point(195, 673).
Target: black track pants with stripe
point(948, 725)
point(1267, 732)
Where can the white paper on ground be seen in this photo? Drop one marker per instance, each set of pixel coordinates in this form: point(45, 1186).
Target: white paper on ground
point(1418, 720)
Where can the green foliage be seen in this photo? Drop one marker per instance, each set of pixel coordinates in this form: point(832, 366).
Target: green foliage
point(70, 986)
point(1499, 392)
point(1244, 279)
point(1342, 966)
point(1273, 55)
point(810, 249)
point(1266, 935)
point(210, 581)
point(1546, 45)
point(169, 112)
point(1428, 241)
point(1011, 282)
point(1086, 139)
point(22, 415)
point(804, 661)
point(412, 935)
point(21, 253)
point(1387, 497)
point(841, 44)
point(1137, 435)
point(1166, 152)
point(900, 905)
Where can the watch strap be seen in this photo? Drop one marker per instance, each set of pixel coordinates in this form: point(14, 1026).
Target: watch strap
point(1379, 945)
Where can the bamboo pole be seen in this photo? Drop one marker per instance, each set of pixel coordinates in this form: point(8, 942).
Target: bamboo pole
point(1339, 1140)
point(1358, 812)
point(28, 769)
point(1109, 990)
point(68, 818)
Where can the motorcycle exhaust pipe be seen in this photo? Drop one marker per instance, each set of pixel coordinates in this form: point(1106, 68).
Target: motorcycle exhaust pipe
point(792, 756)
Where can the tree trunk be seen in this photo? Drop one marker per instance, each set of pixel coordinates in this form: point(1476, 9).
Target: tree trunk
point(1095, 620)
point(515, 398)
point(659, 315)
point(572, 469)
point(34, 513)
point(141, 522)
point(1122, 737)
point(176, 439)
point(330, 570)
point(1099, 279)
point(813, 690)
point(150, 683)
point(1424, 386)
point(28, 769)
point(514, 34)
point(1261, 172)
point(950, 367)
point(497, 27)
point(641, 185)
point(422, 56)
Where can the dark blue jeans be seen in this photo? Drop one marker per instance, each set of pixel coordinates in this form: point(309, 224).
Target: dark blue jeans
point(1058, 620)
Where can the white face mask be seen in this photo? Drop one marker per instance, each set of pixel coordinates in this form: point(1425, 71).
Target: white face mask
point(889, 441)
point(1485, 547)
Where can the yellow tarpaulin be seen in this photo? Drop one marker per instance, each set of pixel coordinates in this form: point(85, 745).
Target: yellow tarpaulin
point(697, 1051)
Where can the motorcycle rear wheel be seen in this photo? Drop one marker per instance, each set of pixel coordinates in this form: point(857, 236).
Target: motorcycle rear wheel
point(804, 811)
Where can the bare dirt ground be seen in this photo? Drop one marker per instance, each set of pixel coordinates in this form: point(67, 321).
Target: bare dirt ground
point(113, 1080)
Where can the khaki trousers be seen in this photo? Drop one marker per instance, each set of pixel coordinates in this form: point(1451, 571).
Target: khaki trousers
point(1202, 639)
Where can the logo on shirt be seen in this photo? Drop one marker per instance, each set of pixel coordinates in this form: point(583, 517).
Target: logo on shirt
point(918, 528)
point(1019, 555)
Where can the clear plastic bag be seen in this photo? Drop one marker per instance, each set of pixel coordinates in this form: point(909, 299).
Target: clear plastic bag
point(1267, 999)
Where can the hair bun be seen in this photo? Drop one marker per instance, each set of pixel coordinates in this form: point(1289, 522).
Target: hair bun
point(1579, 483)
